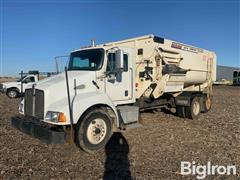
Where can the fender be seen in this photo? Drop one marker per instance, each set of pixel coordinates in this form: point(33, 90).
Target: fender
point(13, 87)
point(80, 103)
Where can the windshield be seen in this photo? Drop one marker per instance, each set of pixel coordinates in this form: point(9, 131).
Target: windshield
point(88, 60)
point(19, 80)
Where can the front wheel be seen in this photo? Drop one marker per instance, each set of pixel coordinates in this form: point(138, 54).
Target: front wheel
point(12, 93)
point(94, 130)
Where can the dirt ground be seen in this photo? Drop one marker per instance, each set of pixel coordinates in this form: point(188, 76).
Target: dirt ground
point(153, 151)
point(7, 79)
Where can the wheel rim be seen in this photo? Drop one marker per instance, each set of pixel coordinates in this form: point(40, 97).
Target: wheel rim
point(196, 108)
point(96, 131)
point(12, 94)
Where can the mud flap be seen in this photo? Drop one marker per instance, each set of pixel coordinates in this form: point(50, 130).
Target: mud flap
point(37, 130)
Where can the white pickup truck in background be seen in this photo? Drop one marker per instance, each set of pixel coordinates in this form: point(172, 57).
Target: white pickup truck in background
point(13, 89)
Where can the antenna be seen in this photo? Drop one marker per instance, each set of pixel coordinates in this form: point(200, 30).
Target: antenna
point(69, 104)
point(57, 68)
point(21, 85)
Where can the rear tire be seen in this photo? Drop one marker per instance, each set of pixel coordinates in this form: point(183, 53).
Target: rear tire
point(193, 111)
point(93, 130)
point(181, 111)
point(207, 104)
point(12, 93)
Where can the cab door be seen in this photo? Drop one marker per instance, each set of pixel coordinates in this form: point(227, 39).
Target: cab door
point(28, 81)
point(119, 83)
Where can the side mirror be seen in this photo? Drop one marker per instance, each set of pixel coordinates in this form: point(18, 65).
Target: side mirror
point(119, 59)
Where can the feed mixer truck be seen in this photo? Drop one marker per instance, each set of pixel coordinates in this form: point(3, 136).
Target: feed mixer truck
point(106, 86)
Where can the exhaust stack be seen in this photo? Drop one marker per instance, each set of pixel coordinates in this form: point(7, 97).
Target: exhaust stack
point(93, 42)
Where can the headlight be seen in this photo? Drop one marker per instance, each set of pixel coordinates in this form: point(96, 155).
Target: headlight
point(21, 108)
point(55, 116)
point(2, 86)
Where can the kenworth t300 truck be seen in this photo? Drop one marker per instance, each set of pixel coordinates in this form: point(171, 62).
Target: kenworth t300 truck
point(106, 86)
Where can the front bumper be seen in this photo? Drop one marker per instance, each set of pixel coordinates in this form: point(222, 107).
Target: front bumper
point(3, 90)
point(39, 130)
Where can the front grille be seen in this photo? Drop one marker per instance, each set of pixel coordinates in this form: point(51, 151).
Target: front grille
point(28, 102)
point(1, 86)
point(38, 103)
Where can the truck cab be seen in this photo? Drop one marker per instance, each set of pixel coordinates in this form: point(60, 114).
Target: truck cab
point(99, 80)
point(13, 89)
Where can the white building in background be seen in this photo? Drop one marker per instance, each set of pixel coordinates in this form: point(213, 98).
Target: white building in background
point(226, 72)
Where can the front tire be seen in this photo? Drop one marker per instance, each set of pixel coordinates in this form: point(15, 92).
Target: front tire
point(94, 130)
point(12, 93)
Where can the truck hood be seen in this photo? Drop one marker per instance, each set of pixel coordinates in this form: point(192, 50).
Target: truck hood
point(11, 84)
point(57, 81)
point(55, 87)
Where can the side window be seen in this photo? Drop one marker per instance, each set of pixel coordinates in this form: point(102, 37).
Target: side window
point(235, 74)
point(32, 79)
point(28, 80)
point(111, 62)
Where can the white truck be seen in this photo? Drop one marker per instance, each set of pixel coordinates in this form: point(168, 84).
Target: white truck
point(106, 86)
point(13, 89)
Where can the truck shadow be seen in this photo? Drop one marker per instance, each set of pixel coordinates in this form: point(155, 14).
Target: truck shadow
point(117, 162)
